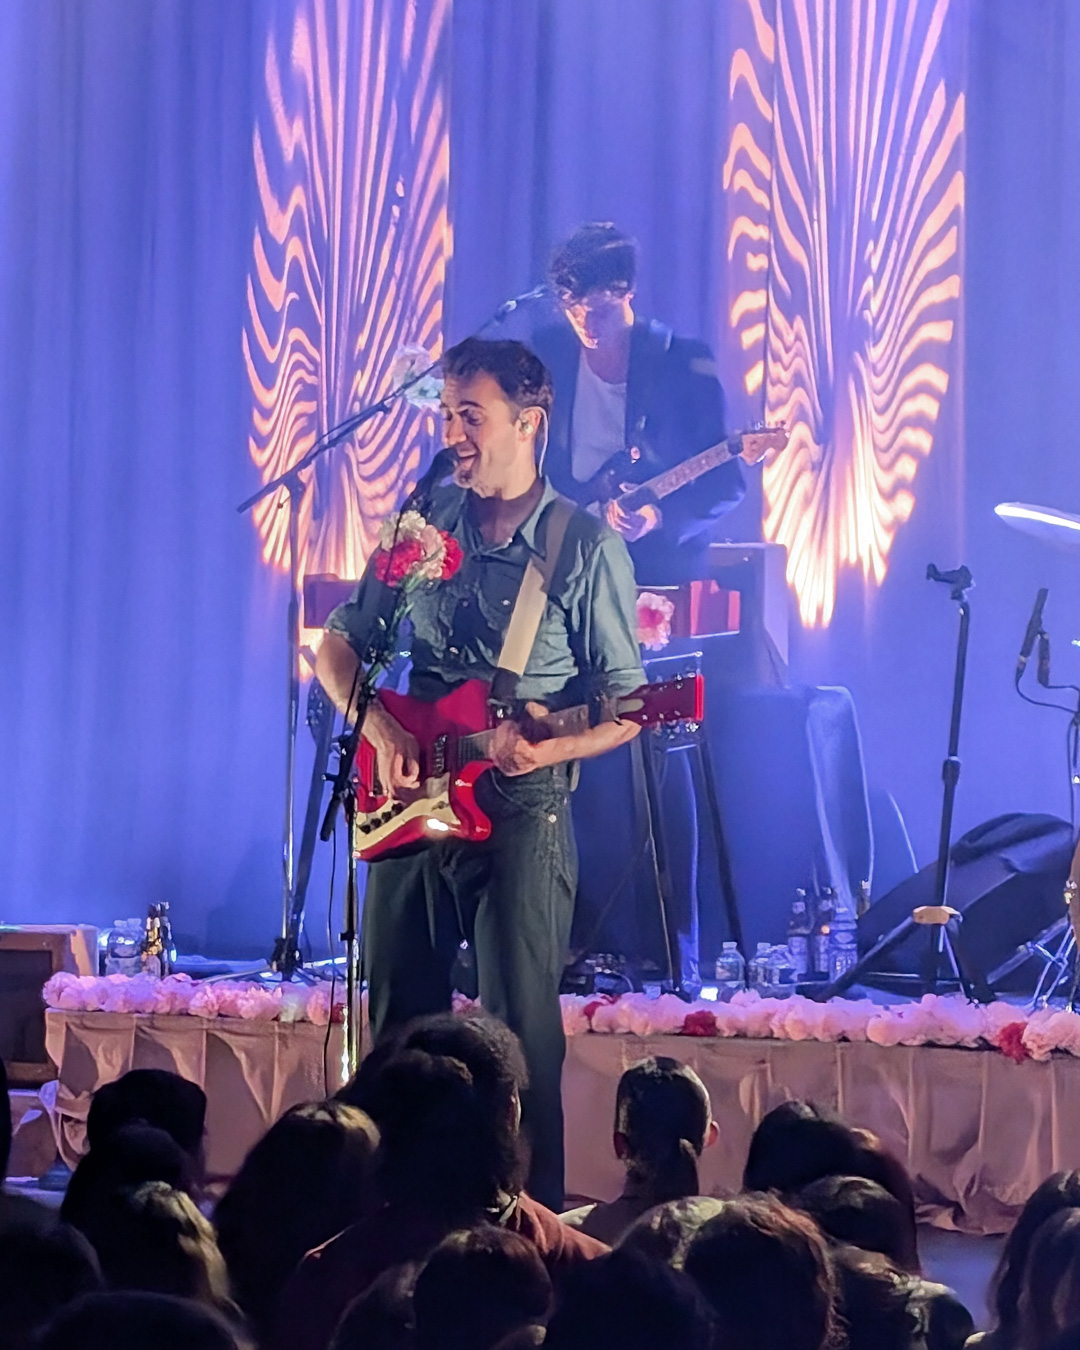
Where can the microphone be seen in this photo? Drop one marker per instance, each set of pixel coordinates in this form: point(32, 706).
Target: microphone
point(1033, 629)
point(508, 306)
point(419, 498)
point(1043, 671)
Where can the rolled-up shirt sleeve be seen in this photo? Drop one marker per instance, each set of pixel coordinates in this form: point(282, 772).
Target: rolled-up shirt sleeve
point(607, 618)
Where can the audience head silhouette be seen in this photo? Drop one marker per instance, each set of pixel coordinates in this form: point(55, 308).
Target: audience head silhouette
point(316, 1164)
point(477, 1287)
point(154, 1239)
point(663, 1121)
point(41, 1270)
point(1060, 1190)
point(447, 1104)
point(150, 1097)
point(755, 1248)
point(125, 1158)
point(624, 1301)
point(136, 1321)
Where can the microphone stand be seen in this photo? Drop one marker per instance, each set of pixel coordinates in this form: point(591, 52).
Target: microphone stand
point(343, 794)
point(285, 958)
point(944, 937)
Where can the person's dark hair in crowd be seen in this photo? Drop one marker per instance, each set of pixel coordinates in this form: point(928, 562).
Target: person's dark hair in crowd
point(447, 1105)
point(477, 1287)
point(518, 372)
point(857, 1211)
point(596, 257)
point(41, 1270)
point(1050, 1291)
point(150, 1097)
point(309, 1177)
point(666, 1232)
point(125, 1158)
point(1059, 1191)
point(663, 1121)
point(624, 1301)
point(796, 1143)
point(765, 1270)
point(155, 1240)
point(382, 1318)
point(136, 1321)
point(876, 1302)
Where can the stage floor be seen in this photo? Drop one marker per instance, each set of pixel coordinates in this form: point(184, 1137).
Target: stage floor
point(977, 1131)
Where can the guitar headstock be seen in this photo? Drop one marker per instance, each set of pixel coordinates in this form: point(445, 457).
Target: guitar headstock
point(758, 441)
point(681, 699)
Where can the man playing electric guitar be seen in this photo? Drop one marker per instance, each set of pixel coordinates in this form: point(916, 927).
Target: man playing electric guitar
point(511, 895)
point(627, 384)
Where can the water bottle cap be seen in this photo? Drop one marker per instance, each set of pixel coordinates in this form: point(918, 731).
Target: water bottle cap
point(731, 946)
point(763, 946)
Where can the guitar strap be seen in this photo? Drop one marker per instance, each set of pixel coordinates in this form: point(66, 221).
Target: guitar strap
point(530, 603)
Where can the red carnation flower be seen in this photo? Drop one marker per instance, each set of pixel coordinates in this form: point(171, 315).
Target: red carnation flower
point(454, 556)
point(1010, 1042)
point(700, 1023)
point(394, 565)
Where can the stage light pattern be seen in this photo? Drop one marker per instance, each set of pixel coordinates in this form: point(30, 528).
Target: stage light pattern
point(845, 184)
point(349, 257)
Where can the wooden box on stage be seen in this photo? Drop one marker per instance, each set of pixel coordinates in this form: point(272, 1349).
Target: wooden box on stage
point(29, 955)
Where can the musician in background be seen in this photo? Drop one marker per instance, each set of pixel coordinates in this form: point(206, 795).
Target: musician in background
point(623, 382)
point(511, 896)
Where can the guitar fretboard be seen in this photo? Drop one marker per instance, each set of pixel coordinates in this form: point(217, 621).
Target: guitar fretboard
point(687, 472)
point(569, 722)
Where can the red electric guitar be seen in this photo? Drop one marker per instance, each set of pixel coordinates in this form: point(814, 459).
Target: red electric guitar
point(453, 734)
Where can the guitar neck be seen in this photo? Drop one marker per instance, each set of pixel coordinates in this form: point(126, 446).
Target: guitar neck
point(569, 722)
point(687, 472)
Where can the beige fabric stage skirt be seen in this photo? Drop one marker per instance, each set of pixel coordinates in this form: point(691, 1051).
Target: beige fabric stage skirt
point(976, 1131)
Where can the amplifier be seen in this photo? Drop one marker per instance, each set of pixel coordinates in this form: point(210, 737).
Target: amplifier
point(28, 957)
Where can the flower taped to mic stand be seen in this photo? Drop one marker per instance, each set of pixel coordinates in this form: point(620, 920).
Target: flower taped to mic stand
point(410, 362)
point(654, 615)
point(412, 551)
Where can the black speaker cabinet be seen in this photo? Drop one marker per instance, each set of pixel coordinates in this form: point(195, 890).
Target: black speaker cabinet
point(27, 960)
point(1007, 879)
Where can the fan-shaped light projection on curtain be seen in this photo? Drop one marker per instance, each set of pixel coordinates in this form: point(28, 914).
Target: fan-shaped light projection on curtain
point(349, 258)
point(845, 174)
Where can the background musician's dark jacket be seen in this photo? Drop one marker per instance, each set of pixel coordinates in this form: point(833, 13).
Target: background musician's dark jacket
point(674, 408)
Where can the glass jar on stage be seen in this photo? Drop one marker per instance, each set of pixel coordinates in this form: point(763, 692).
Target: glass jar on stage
point(122, 953)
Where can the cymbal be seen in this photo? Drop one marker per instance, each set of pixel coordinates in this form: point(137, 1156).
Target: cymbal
point(1044, 523)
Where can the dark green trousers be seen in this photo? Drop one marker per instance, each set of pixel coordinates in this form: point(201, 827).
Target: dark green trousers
point(512, 898)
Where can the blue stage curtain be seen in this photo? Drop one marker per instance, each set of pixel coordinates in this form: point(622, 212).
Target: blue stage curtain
point(142, 676)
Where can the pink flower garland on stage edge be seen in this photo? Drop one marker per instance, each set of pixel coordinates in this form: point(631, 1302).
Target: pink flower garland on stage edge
point(934, 1020)
point(180, 995)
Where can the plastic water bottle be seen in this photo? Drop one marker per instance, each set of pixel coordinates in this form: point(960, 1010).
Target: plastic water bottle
point(782, 975)
point(757, 975)
point(730, 971)
point(798, 934)
point(843, 944)
point(819, 941)
point(123, 947)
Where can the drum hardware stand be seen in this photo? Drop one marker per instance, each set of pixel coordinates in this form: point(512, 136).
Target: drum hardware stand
point(943, 921)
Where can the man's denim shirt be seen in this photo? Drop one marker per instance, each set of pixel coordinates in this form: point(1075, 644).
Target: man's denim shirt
point(587, 641)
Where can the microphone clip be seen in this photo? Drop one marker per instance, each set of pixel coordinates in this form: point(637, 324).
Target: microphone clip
point(959, 578)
